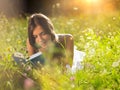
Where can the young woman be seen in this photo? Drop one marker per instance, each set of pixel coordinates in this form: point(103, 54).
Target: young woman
point(55, 47)
point(42, 38)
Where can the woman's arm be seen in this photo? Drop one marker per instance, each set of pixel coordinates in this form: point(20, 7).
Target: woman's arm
point(30, 49)
point(69, 48)
point(67, 41)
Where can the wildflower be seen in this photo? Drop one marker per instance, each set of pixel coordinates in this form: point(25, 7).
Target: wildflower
point(19, 41)
point(28, 84)
point(58, 5)
point(24, 74)
point(109, 25)
point(75, 8)
point(8, 40)
point(42, 69)
point(72, 85)
point(115, 64)
point(28, 68)
point(72, 78)
point(69, 23)
point(114, 18)
point(9, 49)
point(53, 6)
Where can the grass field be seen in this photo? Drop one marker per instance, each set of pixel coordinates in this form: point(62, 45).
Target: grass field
point(97, 35)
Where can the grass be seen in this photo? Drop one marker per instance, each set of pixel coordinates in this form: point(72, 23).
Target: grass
point(97, 35)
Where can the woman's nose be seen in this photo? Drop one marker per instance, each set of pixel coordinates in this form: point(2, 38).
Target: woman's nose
point(39, 38)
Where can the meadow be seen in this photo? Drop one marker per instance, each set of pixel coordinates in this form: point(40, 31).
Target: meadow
point(97, 35)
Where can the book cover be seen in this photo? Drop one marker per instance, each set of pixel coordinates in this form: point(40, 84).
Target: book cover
point(37, 58)
point(34, 59)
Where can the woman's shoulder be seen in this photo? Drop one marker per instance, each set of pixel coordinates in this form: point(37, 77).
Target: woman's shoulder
point(64, 37)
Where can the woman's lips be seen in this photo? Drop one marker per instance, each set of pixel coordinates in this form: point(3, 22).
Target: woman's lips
point(42, 43)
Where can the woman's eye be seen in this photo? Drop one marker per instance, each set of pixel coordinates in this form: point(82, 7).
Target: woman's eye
point(43, 33)
point(35, 36)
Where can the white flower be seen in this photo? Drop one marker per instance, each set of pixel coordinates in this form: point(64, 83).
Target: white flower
point(115, 64)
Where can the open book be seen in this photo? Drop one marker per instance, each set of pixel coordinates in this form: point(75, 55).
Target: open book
point(34, 59)
point(39, 58)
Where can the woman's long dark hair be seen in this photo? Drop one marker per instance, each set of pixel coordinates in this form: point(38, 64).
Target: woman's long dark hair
point(44, 22)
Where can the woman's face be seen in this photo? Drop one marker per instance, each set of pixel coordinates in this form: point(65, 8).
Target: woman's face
point(41, 37)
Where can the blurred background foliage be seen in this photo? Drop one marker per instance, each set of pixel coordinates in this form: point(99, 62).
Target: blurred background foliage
point(18, 8)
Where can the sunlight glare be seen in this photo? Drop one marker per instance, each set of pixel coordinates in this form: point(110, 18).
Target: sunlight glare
point(92, 1)
point(90, 6)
